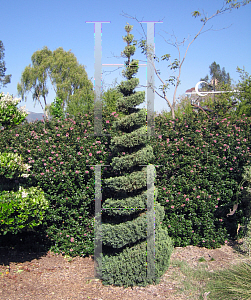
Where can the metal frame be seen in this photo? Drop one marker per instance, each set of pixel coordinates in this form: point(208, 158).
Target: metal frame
point(98, 132)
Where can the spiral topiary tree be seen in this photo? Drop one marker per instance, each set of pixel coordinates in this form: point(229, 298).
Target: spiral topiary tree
point(125, 258)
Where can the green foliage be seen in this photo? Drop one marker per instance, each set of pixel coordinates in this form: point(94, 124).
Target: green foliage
point(56, 109)
point(11, 165)
point(244, 97)
point(59, 153)
point(218, 77)
point(110, 98)
point(201, 171)
point(22, 210)
point(132, 262)
point(68, 77)
point(56, 150)
point(125, 221)
point(10, 115)
point(4, 79)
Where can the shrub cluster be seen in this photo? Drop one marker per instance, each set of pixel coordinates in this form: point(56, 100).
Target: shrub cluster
point(200, 169)
point(202, 164)
point(23, 209)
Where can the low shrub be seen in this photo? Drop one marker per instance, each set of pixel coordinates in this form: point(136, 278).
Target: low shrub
point(22, 209)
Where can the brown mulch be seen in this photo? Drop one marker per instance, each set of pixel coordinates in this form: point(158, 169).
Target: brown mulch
point(51, 276)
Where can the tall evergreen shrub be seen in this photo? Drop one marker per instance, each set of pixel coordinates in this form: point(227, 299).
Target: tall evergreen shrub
point(124, 233)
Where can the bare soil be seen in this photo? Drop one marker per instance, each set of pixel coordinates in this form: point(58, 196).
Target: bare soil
point(51, 276)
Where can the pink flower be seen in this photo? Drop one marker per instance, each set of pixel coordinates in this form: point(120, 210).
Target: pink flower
point(90, 154)
point(45, 164)
point(77, 172)
point(42, 174)
point(17, 134)
point(84, 234)
point(220, 220)
point(164, 188)
point(216, 206)
point(67, 235)
point(169, 226)
point(187, 199)
point(167, 200)
point(72, 239)
point(198, 197)
point(86, 172)
point(71, 250)
point(29, 151)
point(107, 121)
point(172, 206)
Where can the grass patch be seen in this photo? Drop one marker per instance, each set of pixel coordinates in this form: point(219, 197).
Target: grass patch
point(233, 283)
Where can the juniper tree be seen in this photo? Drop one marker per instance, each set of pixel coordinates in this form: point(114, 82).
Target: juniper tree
point(124, 259)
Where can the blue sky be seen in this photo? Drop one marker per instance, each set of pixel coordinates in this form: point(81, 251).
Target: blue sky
point(29, 25)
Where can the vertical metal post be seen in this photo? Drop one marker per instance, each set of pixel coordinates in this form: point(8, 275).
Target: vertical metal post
point(150, 76)
point(98, 77)
point(98, 132)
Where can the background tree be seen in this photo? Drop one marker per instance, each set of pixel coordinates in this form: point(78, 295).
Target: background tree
point(34, 78)
point(55, 110)
point(4, 79)
point(175, 65)
point(244, 97)
point(124, 221)
point(110, 98)
point(217, 78)
point(218, 104)
point(71, 82)
point(68, 78)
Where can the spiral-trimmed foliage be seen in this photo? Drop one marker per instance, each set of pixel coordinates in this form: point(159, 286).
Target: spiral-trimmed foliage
point(126, 260)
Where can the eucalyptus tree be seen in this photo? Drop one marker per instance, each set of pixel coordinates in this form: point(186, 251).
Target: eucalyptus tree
point(4, 79)
point(67, 77)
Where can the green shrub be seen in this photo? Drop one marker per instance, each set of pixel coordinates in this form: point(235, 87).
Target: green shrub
point(128, 267)
point(21, 210)
point(11, 165)
point(127, 228)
